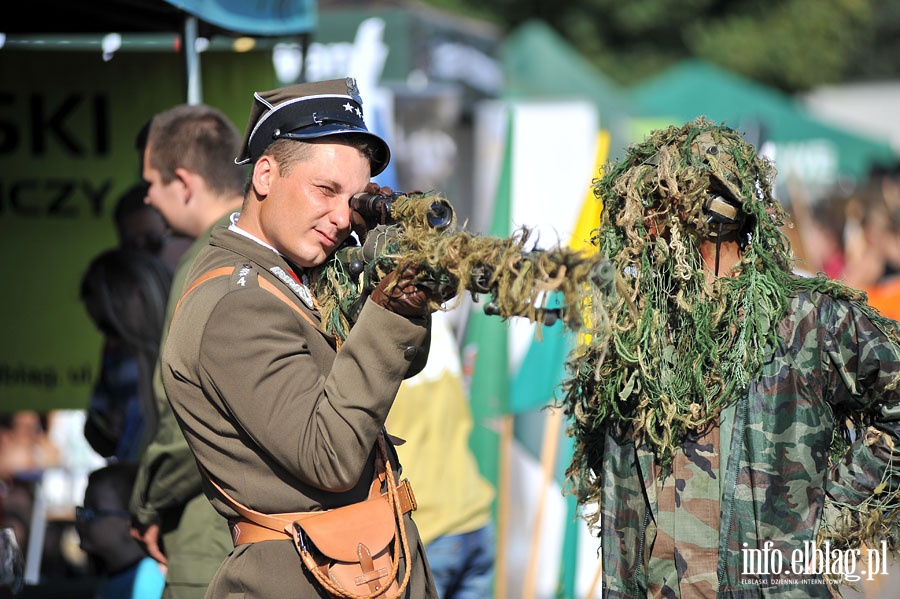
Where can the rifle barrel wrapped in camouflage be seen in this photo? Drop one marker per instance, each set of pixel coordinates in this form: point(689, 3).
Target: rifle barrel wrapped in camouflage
point(420, 230)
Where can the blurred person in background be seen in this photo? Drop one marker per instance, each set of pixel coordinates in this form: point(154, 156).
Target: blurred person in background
point(25, 451)
point(432, 415)
point(120, 563)
point(187, 155)
point(25, 447)
point(817, 234)
point(140, 226)
point(114, 415)
point(124, 292)
point(872, 242)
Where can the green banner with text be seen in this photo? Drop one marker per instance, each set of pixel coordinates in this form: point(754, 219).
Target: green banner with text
point(68, 122)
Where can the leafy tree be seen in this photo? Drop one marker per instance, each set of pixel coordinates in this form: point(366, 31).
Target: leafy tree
point(790, 44)
point(877, 55)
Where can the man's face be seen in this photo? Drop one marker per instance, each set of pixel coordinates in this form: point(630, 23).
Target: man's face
point(167, 198)
point(306, 214)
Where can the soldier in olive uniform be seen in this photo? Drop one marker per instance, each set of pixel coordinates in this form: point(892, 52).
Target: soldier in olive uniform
point(280, 417)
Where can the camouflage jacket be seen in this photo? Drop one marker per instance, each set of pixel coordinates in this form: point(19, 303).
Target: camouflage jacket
point(770, 489)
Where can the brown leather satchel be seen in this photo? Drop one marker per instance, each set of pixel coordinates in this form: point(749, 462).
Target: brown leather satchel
point(353, 551)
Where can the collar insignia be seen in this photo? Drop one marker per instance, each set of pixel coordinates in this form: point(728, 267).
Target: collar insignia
point(301, 291)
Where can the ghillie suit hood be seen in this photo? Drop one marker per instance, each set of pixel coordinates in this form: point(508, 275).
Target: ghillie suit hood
point(667, 351)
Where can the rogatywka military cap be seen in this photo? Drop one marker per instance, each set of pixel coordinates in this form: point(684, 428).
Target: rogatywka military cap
point(307, 111)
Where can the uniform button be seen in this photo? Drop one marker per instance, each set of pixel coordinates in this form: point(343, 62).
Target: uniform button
point(410, 352)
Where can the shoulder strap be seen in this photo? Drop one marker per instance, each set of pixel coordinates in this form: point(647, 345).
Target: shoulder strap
point(271, 288)
point(226, 271)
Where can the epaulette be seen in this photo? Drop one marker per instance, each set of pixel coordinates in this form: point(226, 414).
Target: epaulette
point(243, 275)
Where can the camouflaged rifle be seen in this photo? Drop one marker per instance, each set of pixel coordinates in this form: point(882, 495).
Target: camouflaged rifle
point(420, 229)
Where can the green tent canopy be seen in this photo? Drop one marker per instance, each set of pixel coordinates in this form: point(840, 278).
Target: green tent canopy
point(538, 63)
point(814, 153)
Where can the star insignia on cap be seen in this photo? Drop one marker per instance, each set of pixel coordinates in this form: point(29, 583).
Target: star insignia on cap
point(348, 107)
point(359, 113)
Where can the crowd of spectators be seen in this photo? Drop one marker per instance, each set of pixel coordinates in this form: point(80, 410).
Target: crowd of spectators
point(852, 234)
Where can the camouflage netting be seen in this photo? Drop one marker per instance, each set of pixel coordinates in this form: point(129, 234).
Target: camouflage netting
point(518, 277)
point(637, 369)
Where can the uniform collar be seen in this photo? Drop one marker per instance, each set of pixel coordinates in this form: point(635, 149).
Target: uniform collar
point(237, 240)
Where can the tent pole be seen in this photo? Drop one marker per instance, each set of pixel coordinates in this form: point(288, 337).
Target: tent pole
point(193, 88)
point(305, 38)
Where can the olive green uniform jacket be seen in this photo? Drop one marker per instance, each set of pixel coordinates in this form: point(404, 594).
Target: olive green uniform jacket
point(168, 490)
point(278, 418)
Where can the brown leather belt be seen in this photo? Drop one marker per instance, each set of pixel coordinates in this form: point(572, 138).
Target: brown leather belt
point(243, 531)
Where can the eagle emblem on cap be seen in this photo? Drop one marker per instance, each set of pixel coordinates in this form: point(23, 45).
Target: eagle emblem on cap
point(353, 90)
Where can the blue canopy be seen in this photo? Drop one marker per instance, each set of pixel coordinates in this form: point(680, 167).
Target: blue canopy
point(243, 17)
point(35, 23)
point(256, 17)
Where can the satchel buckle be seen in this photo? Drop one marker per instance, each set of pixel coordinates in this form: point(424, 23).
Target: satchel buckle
point(299, 537)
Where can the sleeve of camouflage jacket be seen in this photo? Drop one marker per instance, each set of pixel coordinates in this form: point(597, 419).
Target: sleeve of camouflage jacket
point(865, 370)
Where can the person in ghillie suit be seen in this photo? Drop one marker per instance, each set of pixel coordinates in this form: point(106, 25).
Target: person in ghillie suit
point(729, 417)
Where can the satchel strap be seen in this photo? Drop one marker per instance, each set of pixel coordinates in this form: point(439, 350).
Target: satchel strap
point(278, 522)
point(226, 271)
point(275, 522)
point(245, 531)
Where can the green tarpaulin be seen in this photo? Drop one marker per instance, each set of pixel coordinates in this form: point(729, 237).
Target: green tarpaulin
point(539, 64)
point(816, 153)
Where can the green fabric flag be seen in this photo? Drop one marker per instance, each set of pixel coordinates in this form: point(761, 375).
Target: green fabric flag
point(539, 380)
point(485, 348)
point(543, 369)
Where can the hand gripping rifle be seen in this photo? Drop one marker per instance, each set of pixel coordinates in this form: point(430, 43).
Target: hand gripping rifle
point(420, 229)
